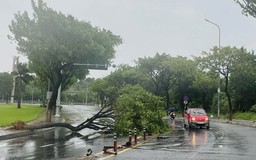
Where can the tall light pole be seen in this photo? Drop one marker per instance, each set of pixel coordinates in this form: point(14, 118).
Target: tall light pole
point(219, 72)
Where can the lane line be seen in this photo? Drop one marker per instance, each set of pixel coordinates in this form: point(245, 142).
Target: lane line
point(47, 145)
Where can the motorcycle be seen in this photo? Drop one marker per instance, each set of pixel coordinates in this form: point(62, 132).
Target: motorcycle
point(172, 115)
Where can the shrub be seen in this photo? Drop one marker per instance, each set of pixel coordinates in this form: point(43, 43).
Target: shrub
point(253, 109)
point(245, 116)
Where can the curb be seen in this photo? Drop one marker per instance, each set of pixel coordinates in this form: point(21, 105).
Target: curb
point(236, 122)
point(24, 133)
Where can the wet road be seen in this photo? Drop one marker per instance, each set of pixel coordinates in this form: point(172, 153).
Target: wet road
point(221, 142)
point(59, 143)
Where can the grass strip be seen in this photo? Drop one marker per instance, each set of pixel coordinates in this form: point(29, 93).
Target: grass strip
point(9, 113)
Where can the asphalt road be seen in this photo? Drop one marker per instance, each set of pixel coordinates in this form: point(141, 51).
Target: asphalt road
point(222, 142)
point(60, 143)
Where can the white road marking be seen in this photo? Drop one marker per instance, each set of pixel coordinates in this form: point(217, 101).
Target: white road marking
point(47, 145)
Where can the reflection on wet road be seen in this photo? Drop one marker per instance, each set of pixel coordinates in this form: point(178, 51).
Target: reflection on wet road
point(222, 141)
point(180, 139)
point(58, 143)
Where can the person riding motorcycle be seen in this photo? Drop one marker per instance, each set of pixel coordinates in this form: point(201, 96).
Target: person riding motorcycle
point(171, 112)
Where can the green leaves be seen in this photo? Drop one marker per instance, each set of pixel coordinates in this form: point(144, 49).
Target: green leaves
point(248, 6)
point(6, 82)
point(53, 42)
point(53, 38)
point(136, 107)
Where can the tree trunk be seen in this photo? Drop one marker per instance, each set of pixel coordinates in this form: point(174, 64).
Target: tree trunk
point(167, 101)
point(182, 105)
point(91, 123)
point(240, 105)
point(19, 95)
point(48, 115)
point(6, 95)
point(54, 110)
point(229, 99)
point(203, 101)
point(156, 91)
point(51, 104)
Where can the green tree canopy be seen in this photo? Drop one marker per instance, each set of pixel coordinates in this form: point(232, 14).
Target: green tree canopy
point(163, 70)
point(227, 60)
point(6, 83)
point(205, 83)
point(248, 6)
point(136, 107)
point(186, 69)
point(53, 42)
point(242, 82)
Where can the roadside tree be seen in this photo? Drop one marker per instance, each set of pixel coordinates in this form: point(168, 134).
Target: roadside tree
point(242, 82)
point(163, 70)
point(225, 61)
point(6, 83)
point(149, 67)
point(22, 76)
point(135, 107)
point(187, 69)
point(205, 83)
point(53, 42)
point(248, 6)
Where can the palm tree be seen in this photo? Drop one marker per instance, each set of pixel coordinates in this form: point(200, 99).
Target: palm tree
point(22, 76)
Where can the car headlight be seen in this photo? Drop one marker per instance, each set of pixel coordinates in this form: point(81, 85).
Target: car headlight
point(206, 119)
point(193, 119)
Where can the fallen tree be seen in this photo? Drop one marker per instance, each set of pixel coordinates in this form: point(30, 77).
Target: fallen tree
point(91, 123)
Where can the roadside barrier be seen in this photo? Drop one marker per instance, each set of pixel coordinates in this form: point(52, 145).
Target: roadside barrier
point(106, 150)
point(113, 149)
point(110, 152)
point(136, 137)
point(130, 136)
point(115, 142)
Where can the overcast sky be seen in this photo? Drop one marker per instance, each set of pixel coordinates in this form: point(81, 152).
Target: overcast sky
point(175, 27)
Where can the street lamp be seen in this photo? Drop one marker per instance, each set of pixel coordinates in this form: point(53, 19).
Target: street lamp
point(219, 72)
point(87, 66)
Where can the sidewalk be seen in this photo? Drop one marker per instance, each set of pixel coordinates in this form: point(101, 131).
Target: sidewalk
point(235, 121)
point(9, 132)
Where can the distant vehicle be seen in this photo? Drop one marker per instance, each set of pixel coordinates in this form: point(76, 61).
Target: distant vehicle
point(196, 117)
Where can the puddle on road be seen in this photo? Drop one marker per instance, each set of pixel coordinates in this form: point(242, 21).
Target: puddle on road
point(179, 138)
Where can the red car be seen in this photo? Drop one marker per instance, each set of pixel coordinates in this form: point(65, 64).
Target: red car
point(196, 117)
